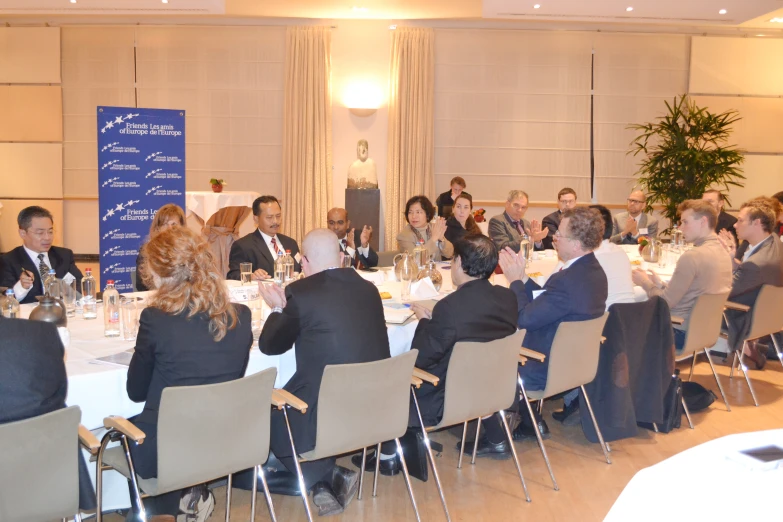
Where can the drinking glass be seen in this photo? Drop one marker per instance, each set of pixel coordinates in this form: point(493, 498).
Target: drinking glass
point(406, 277)
point(256, 320)
point(130, 319)
point(346, 261)
point(663, 256)
point(246, 269)
point(68, 293)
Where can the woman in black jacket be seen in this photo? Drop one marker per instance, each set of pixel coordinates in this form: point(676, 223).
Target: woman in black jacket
point(461, 223)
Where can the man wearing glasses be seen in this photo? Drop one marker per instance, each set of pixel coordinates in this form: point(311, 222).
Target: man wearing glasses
point(628, 226)
point(566, 200)
point(25, 267)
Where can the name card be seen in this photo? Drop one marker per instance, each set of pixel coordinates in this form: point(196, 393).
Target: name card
point(243, 294)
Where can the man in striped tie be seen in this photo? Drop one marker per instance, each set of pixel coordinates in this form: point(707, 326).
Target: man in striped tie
point(25, 267)
point(352, 242)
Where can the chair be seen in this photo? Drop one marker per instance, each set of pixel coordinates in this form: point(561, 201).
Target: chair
point(221, 230)
point(360, 405)
point(573, 362)
point(765, 320)
point(204, 433)
point(387, 258)
point(703, 332)
point(480, 381)
point(39, 469)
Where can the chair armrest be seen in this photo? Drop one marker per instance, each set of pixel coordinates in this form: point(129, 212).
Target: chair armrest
point(531, 354)
point(522, 360)
point(426, 376)
point(88, 440)
point(677, 320)
point(736, 306)
point(125, 427)
point(281, 398)
point(415, 381)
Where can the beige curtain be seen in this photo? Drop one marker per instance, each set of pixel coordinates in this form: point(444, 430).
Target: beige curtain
point(409, 170)
point(307, 130)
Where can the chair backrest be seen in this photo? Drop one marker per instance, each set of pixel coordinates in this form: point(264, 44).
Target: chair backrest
point(767, 317)
point(573, 359)
point(360, 405)
point(704, 323)
point(387, 258)
point(39, 472)
point(206, 432)
point(481, 378)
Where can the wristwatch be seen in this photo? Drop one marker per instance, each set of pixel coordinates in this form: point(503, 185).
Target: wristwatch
point(277, 309)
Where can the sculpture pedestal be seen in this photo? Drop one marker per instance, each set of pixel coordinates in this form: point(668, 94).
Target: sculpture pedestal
point(364, 208)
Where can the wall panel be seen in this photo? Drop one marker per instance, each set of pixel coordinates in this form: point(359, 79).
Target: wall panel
point(29, 55)
point(31, 170)
point(31, 113)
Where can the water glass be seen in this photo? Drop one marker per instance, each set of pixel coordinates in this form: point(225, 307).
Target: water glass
point(663, 256)
point(346, 261)
point(256, 320)
point(130, 319)
point(68, 293)
point(246, 270)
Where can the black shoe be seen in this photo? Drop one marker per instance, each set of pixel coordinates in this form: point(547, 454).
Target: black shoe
point(345, 483)
point(495, 451)
point(567, 412)
point(388, 467)
point(326, 499)
point(525, 431)
point(280, 482)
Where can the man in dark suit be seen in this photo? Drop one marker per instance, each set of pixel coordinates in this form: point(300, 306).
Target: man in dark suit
point(577, 292)
point(761, 264)
point(25, 267)
point(260, 247)
point(507, 229)
point(353, 332)
point(725, 220)
point(33, 380)
point(364, 256)
point(566, 199)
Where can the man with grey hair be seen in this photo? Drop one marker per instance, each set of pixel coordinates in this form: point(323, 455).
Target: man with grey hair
point(353, 332)
point(507, 229)
point(628, 226)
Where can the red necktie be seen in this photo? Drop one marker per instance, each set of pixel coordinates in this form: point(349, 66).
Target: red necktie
point(274, 245)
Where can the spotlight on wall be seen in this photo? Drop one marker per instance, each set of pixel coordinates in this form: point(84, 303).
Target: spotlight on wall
point(722, 11)
point(363, 98)
point(629, 9)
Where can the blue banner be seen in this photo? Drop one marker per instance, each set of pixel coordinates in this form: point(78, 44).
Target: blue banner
point(141, 167)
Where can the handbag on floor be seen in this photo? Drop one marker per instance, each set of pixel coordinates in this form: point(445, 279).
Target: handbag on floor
point(672, 402)
point(696, 396)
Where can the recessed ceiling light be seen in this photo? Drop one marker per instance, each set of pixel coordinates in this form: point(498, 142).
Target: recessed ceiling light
point(536, 6)
point(165, 1)
point(722, 11)
point(73, 1)
point(629, 9)
point(761, 35)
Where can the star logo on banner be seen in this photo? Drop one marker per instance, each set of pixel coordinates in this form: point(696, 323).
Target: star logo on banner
point(153, 189)
point(129, 203)
point(109, 251)
point(153, 173)
point(110, 268)
point(118, 119)
point(110, 125)
point(109, 181)
point(110, 233)
point(119, 207)
point(130, 116)
point(153, 155)
point(109, 164)
point(109, 146)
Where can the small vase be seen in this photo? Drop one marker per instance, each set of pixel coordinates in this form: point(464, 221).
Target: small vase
point(431, 271)
point(217, 188)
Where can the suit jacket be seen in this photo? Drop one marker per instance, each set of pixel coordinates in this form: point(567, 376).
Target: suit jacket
point(12, 262)
point(577, 293)
point(352, 331)
point(455, 231)
point(504, 234)
point(551, 222)
point(764, 266)
point(407, 240)
point(175, 350)
point(726, 222)
point(252, 249)
point(645, 221)
point(370, 260)
point(477, 311)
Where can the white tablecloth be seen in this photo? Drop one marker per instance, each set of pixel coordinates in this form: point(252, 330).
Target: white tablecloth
point(712, 481)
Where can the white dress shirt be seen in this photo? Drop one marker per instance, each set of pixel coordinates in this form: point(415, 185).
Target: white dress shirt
point(364, 251)
point(21, 292)
point(268, 241)
point(617, 268)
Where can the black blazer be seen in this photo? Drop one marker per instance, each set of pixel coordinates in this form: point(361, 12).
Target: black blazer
point(551, 222)
point(577, 293)
point(455, 231)
point(353, 331)
point(726, 222)
point(140, 286)
point(445, 203)
point(252, 249)
point(12, 262)
point(370, 260)
point(477, 311)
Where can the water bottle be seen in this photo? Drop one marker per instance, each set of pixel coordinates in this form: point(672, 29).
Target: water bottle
point(524, 247)
point(10, 305)
point(420, 256)
point(280, 269)
point(111, 310)
point(289, 266)
point(52, 284)
point(89, 291)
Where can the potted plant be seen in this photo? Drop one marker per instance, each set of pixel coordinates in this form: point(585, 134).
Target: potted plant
point(686, 152)
point(217, 184)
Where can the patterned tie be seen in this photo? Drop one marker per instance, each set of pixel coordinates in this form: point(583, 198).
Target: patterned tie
point(518, 226)
point(274, 245)
point(42, 268)
point(344, 244)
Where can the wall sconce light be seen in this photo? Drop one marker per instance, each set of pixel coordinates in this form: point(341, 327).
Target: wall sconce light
point(362, 98)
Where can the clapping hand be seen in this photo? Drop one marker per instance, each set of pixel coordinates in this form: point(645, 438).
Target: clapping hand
point(646, 279)
point(513, 265)
point(537, 232)
point(350, 238)
point(421, 312)
point(273, 295)
point(438, 229)
point(630, 227)
point(366, 236)
point(727, 241)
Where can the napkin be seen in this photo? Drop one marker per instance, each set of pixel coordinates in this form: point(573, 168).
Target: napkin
point(423, 289)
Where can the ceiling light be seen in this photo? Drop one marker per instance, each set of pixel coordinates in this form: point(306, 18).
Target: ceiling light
point(536, 6)
point(73, 1)
point(629, 9)
point(165, 1)
point(359, 9)
point(777, 20)
point(761, 35)
point(722, 11)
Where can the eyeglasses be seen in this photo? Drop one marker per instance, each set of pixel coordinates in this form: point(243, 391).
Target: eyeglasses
point(41, 233)
point(635, 201)
point(561, 236)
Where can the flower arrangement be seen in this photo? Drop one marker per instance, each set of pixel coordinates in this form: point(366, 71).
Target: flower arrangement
point(478, 215)
point(217, 184)
point(643, 242)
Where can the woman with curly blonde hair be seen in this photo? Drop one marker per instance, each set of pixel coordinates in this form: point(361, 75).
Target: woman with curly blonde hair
point(190, 334)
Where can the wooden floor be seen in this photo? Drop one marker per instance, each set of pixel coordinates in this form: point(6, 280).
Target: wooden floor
point(490, 490)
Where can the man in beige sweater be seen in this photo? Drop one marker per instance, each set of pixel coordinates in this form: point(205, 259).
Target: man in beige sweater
point(704, 269)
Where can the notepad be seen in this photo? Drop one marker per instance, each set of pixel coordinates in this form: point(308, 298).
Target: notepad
point(396, 314)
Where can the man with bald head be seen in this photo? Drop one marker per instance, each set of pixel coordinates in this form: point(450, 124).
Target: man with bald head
point(628, 226)
point(353, 332)
point(348, 238)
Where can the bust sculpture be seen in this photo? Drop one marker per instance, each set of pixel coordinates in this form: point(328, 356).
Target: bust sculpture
point(362, 173)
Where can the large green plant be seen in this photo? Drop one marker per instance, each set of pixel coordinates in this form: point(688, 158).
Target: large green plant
point(685, 152)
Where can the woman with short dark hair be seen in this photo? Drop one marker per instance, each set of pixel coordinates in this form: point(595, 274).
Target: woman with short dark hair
point(419, 211)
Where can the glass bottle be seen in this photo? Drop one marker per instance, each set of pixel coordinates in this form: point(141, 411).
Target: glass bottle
point(89, 291)
point(111, 310)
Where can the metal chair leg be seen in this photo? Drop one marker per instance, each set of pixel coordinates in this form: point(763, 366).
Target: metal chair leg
point(431, 456)
point(777, 349)
point(99, 477)
point(541, 407)
point(747, 379)
point(377, 469)
point(715, 374)
point(267, 495)
point(462, 444)
point(302, 488)
point(407, 479)
point(514, 453)
point(538, 434)
point(595, 425)
point(361, 471)
point(254, 494)
point(229, 487)
point(655, 427)
point(693, 365)
point(734, 362)
point(475, 441)
point(77, 517)
point(687, 413)
point(136, 498)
